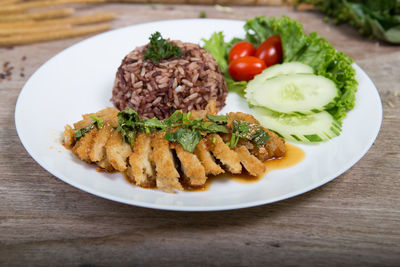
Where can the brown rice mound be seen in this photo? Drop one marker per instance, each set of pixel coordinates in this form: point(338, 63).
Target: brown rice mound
point(158, 89)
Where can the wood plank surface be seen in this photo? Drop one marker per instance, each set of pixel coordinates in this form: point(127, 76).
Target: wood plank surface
point(352, 221)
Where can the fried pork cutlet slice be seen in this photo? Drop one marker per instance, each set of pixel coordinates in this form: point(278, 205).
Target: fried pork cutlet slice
point(140, 169)
point(98, 149)
point(167, 178)
point(206, 159)
point(211, 109)
point(69, 136)
point(105, 165)
point(275, 146)
point(83, 146)
point(107, 114)
point(252, 164)
point(191, 166)
point(118, 151)
point(222, 152)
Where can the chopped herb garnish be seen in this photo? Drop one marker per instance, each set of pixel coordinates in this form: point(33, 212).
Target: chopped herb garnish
point(127, 124)
point(250, 131)
point(176, 117)
point(221, 119)
point(187, 138)
point(98, 122)
point(202, 14)
point(160, 48)
point(188, 134)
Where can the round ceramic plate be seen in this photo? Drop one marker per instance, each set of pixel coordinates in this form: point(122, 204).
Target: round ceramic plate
point(79, 80)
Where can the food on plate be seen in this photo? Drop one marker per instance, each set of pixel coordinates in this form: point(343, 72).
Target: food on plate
point(298, 93)
point(312, 78)
point(245, 61)
point(245, 68)
point(182, 150)
point(241, 49)
point(295, 102)
point(270, 50)
point(164, 76)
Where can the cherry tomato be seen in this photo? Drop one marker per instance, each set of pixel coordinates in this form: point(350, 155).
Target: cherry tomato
point(270, 50)
point(245, 68)
point(241, 49)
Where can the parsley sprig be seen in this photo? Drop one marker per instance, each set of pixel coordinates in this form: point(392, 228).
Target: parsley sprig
point(159, 48)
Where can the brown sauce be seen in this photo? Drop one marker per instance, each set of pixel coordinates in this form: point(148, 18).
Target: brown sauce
point(293, 156)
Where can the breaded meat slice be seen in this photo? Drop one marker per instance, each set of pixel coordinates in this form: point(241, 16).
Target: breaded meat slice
point(252, 164)
point(274, 147)
point(140, 169)
point(167, 177)
point(108, 114)
point(98, 149)
point(105, 165)
point(118, 151)
point(223, 153)
point(211, 109)
point(84, 144)
point(69, 137)
point(206, 159)
point(191, 166)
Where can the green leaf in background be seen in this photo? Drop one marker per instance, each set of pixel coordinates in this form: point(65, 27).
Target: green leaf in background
point(375, 18)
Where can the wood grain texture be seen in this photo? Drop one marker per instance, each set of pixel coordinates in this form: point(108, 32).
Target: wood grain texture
point(352, 221)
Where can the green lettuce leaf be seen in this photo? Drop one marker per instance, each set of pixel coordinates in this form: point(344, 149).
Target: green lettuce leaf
point(312, 49)
point(218, 48)
point(290, 31)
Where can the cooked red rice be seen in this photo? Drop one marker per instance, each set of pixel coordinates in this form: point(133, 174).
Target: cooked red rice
point(158, 89)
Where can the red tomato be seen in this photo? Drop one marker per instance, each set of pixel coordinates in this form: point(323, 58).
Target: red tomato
point(270, 50)
point(241, 49)
point(245, 68)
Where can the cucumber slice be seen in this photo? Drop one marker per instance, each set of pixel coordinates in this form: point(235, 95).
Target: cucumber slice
point(293, 93)
point(311, 128)
point(284, 69)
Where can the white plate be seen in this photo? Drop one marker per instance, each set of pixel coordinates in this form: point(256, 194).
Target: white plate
point(79, 80)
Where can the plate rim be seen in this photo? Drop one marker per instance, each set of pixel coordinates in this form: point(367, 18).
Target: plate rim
point(157, 206)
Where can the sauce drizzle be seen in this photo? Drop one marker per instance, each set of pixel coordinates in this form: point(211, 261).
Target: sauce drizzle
point(293, 156)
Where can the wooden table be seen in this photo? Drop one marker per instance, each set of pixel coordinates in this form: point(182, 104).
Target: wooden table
point(353, 220)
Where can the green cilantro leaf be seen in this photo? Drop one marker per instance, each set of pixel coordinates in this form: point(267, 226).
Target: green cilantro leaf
point(187, 138)
point(220, 119)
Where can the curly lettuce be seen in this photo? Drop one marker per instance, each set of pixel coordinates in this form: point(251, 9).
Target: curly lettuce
point(311, 49)
point(217, 46)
